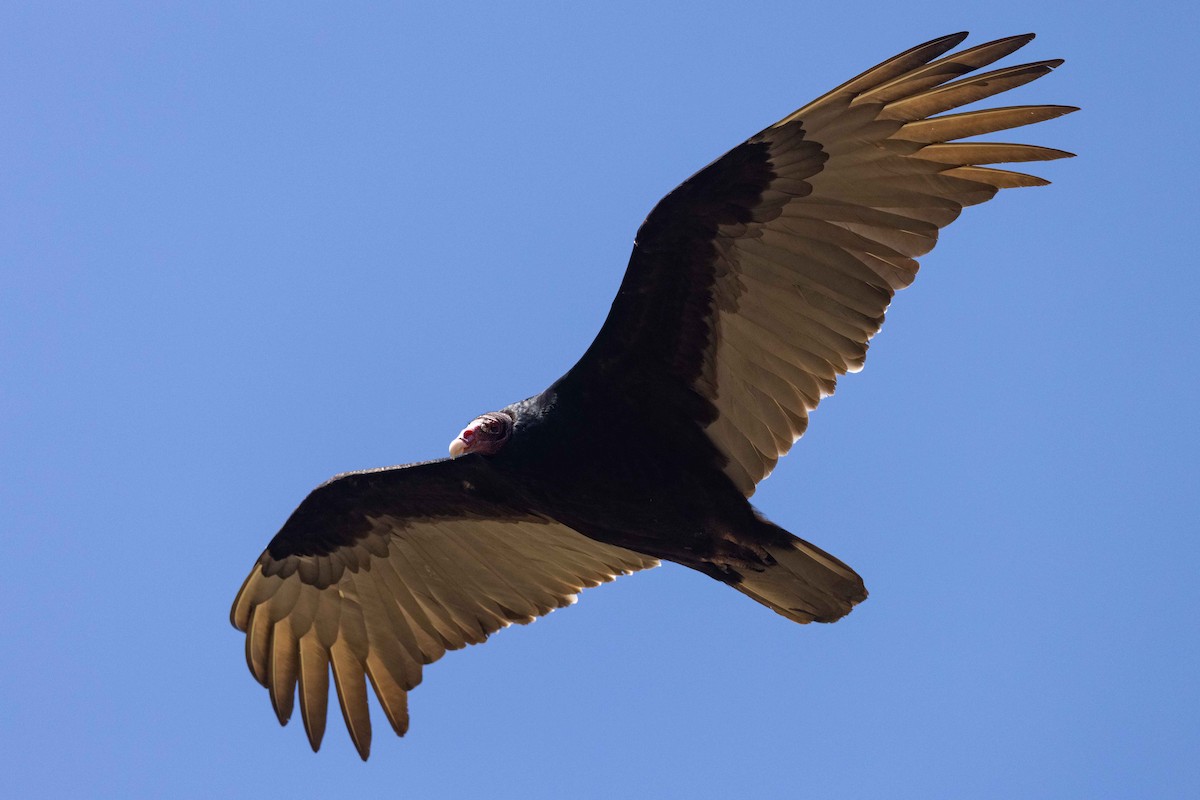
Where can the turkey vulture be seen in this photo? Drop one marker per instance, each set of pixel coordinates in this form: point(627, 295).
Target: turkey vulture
point(751, 288)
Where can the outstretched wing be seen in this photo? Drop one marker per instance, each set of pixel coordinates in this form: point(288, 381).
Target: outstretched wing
point(378, 573)
point(761, 279)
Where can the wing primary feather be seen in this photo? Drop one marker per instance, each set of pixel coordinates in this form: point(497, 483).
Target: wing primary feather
point(258, 642)
point(392, 696)
point(998, 178)
point(239, 614)
point(349, 680)
point(283, 670)
point(314, 688)
point(975, 123)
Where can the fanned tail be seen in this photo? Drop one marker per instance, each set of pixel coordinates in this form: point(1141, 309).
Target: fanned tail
point(791, 577)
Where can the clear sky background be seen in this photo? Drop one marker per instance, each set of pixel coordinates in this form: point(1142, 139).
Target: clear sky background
point(245, 248)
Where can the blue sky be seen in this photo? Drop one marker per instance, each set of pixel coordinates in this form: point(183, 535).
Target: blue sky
point(243, 249)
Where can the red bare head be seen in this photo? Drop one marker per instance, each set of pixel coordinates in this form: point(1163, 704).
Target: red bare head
point(485, 435)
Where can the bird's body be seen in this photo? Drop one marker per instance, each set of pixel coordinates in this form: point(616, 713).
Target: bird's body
point(642, 491)
point(751, 288)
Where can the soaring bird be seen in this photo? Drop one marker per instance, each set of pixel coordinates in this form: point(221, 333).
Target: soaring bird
point(751, 288)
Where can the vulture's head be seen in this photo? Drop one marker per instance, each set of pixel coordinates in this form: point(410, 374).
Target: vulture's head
point(485, 435)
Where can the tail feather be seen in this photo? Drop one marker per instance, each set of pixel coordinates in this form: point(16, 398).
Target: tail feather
point(804, 583)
